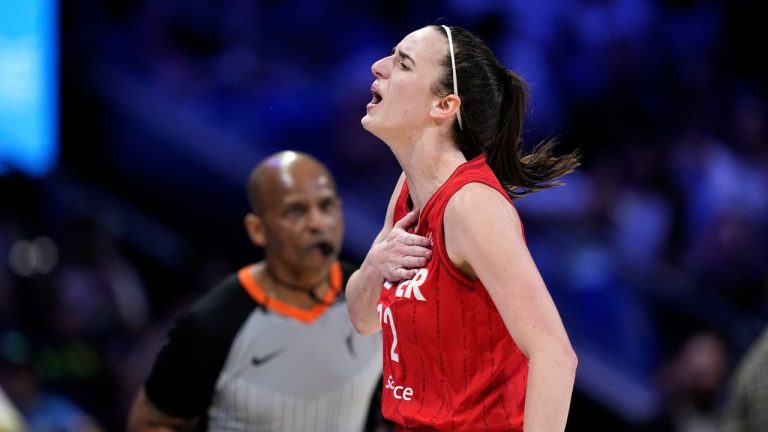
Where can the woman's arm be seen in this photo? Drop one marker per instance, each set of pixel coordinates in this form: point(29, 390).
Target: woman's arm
point(395, 255)
point(484, 238)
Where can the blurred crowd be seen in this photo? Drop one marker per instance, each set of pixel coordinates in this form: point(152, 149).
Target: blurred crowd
point(656, 251)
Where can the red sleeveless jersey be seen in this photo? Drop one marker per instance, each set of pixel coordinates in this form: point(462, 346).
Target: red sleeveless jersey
point(449, 361)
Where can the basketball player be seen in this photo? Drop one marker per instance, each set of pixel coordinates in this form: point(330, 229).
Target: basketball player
point(472, 338)
point(271, 348)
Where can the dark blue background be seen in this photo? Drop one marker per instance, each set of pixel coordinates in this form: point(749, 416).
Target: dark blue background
point(167, 105)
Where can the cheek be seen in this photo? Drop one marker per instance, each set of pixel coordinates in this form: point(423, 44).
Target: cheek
point(338, 227)
point(285, 238)
point(275, 241)
point(414, 101)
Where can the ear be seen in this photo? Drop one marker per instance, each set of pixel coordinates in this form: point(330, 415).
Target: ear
point(446, 108)
point(254, 226)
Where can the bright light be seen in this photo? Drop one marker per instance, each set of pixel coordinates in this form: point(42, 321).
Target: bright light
point(28, 86)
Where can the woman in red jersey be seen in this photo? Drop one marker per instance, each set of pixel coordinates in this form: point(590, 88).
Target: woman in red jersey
point(472, 338)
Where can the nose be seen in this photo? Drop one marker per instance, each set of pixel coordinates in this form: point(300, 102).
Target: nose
point(379, 69)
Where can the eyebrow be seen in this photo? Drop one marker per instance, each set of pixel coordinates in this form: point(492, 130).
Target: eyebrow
point(403, 55)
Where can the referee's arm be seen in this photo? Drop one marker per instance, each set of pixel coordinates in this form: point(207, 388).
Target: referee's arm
point(145, 417)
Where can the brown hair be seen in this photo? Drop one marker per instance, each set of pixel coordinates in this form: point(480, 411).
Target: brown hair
point(494, 101)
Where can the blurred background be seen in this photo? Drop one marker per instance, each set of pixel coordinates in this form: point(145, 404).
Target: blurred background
point(128, 128)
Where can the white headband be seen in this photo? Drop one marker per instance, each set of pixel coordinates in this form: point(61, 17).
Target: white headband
point(453, 69)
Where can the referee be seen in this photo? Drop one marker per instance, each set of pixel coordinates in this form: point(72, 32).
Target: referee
point(271, 347)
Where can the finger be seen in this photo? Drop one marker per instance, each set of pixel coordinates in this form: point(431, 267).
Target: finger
point(411, 251)
point(416, 240)
point(408, 220)
point(402, 274)
point(418, 251)
point(414, 262)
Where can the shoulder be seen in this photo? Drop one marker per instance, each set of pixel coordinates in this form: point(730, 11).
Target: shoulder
point(476, 217)
point(479, 200)
point(223, 308)
point(227, 292)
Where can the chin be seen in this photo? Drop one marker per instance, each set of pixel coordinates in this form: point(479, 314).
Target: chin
point(366, 122)
point(369, 125)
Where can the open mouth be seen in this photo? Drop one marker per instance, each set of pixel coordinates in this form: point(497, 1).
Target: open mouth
point(376, 97)
point(325, 248)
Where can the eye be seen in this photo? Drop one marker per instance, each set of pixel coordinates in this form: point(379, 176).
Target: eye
point(295, 211)
point(329, 205)
point(403, 66)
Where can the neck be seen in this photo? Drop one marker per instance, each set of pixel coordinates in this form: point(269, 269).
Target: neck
point(427, 165)
point(304, 293)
